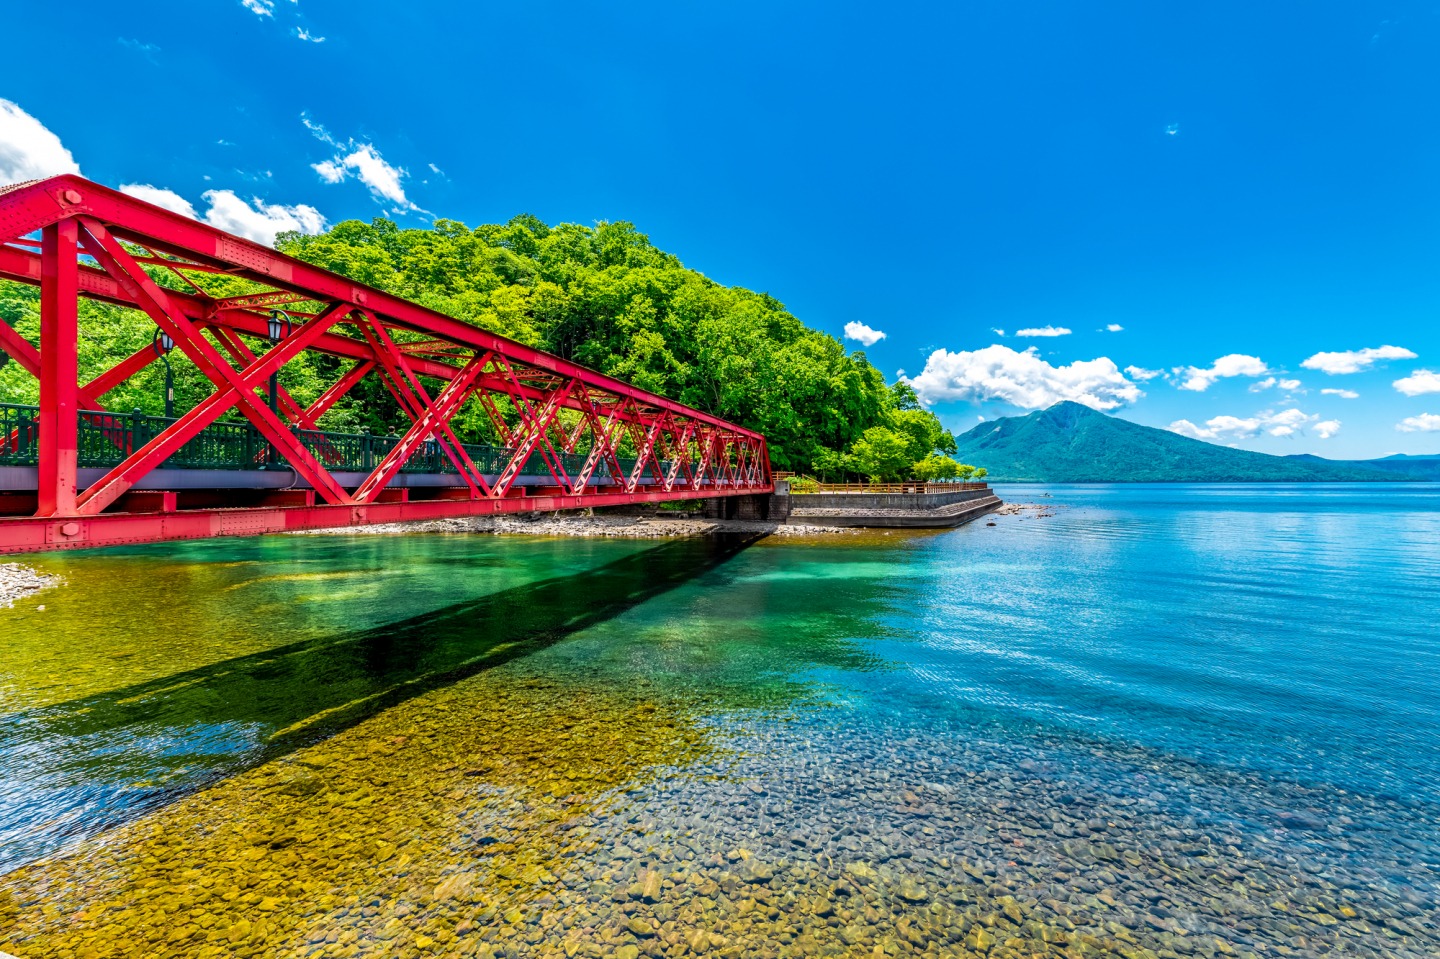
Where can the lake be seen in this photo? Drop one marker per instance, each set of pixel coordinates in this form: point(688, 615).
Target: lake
point(1143, 721)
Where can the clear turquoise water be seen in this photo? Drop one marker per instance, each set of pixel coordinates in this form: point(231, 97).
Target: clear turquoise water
point(1261, 663)
point(1287, 630)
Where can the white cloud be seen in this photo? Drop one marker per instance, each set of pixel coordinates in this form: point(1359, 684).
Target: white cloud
point(304, 34)
point(1113, 328)
point(1424, 423)
point(1353, 361)
point(863, 334)
point(1343, 394)
point(263, 220)
point(1286, 423)
point(1232, 364)
point(1419, 382)
point(1043, 331)
point(1142, 374)
point(329, 171)
point(998, 332)
point(228, 212)
point(1231, 428)
point(1022, 379)
point(1214, 427)
point(161, 197)
point(28, 150)
point(319, 131)
point(382, 178)
point(384, 181)
point(261, 8)
point(1269, 381)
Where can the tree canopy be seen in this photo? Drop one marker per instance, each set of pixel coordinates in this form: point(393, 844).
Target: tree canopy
point(602, 296)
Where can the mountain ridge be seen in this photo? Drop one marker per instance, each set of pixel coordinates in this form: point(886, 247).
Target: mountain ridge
point(1071, 443)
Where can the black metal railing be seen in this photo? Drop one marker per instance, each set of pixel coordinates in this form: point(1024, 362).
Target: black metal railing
point(19, 435)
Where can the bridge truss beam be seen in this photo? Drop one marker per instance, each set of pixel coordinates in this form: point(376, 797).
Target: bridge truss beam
point(97, 243)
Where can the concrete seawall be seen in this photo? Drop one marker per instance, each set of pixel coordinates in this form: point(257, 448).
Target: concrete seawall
point(876, 510)
point(892, 510)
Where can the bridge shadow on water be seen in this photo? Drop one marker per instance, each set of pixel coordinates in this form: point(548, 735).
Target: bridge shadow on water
point(78, 767)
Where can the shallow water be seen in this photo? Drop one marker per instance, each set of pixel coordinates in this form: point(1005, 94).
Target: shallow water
point(1162, 721)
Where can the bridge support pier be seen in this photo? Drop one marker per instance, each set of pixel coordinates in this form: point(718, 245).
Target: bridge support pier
point(756, 507)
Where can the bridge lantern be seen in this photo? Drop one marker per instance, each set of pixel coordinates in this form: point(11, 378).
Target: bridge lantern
point(278, 326)
point(162, 345)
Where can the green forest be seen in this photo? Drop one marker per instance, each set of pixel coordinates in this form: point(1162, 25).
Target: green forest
point(601, 296)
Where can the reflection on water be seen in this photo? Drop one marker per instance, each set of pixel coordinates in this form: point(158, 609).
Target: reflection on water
point(186, 727)
point(1151, 725)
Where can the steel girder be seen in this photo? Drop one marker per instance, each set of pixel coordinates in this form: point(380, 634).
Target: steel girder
point(97, 243)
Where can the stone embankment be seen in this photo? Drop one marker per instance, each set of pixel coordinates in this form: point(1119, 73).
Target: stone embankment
point(18, 582)
point(781, 514)
point(629, 526)
point(930, 510)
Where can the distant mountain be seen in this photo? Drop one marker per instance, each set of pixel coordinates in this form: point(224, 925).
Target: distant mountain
point(1070, 443)
point(1400, 467)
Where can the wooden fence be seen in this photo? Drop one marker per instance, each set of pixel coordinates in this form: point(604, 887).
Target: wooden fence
point(914, 487)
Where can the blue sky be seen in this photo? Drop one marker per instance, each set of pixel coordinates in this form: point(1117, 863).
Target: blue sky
point(1251, 192)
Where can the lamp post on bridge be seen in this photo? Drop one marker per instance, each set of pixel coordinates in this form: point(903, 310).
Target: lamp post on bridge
point(277, 329)
point(162, 346)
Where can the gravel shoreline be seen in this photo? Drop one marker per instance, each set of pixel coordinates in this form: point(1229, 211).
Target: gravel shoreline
point(634, 527)
point(18, 582)
point(1040, 510)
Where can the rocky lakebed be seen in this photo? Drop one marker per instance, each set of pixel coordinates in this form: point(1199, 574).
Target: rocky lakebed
point(606, 821)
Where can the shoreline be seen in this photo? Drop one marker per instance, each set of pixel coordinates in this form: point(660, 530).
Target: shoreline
point(19, 582)
point(575, 525)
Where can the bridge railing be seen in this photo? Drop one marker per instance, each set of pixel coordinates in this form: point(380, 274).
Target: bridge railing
point(19, 435)
point(107, 438)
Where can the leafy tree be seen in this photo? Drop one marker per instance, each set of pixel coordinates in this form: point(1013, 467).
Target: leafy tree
point(829, 463)
point(934, 467)
point(923, 433)
point(903, 396)
point(880, 454)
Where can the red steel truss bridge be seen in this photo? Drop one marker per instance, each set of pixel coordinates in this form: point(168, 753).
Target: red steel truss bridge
point(249, 458)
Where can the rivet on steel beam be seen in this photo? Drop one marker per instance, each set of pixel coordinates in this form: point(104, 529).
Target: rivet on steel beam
point(70, 529)
point(71, 196)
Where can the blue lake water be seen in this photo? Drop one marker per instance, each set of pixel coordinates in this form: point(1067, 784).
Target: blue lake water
point(1288, 630)
point(1183, 719)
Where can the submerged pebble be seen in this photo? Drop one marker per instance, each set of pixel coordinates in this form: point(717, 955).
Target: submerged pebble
point(533, 814)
